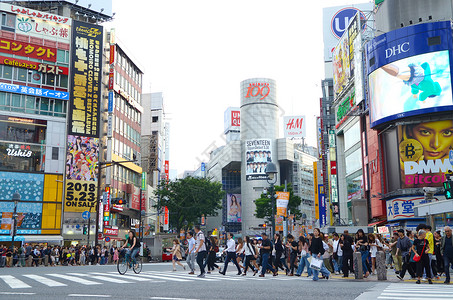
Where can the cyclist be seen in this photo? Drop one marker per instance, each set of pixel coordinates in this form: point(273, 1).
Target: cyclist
point(134, 245)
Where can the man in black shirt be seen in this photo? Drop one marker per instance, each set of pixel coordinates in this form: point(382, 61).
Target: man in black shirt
point(446, 248)
point(266, 250)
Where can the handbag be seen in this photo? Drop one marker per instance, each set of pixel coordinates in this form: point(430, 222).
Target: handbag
point(316, 263)
point(417, 257)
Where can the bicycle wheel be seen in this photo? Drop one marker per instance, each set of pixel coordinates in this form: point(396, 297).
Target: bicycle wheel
point(138, 266)
point(122, 265)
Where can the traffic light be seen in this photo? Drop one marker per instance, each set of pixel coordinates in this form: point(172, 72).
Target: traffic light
point(262, 225)
point(448, 186)
point(85, 229)
point(120, 201)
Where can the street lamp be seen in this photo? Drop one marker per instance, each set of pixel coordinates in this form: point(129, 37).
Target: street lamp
point(16, 199)
point(271, 172)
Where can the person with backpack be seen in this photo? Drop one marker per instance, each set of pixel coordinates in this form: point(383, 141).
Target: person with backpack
point(266, 250)
point(212, 254)
point(293, 247)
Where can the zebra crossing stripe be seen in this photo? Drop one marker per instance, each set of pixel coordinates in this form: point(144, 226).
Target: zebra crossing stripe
point(75, 279)
point(44, 280)
point(162, 278)
point(169, 275)
point(13, 282)
point(99, 277)
point(130, 277)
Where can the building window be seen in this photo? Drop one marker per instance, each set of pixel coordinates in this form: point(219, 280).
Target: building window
point(55, 153)
point(155, 119)
point(8, 22)
point(32, 105)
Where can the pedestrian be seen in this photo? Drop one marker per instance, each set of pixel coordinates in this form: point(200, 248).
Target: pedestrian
point(230, 251)
point(9, 257)
point(397, 259)
point(337, 255)
point(363, 248)
point(266, 250)
point(190, 258)
point(176, 254)
point(317, 250)
point(280, 252)
point(200, 250)
point(421, 247)
point(328, 247)
point(375, 245)
point(116, 255)
point(240, 252)
point(304, 255)
point(212, 255)
point(346, 244)
point(438, 253)
point(404, 246)
point(293, 247)
point(431, 255)
point(446, 249)
point(250, 256)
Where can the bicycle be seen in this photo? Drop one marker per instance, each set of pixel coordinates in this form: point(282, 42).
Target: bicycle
point(125, 262)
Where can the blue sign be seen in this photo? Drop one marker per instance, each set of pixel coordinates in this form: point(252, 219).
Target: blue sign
point(451, 157)
point(203, 167)
point(110, 103)
point(107, 239)
point(33, 91)
point(322, 207)
point(86, 215)
point(341, 19)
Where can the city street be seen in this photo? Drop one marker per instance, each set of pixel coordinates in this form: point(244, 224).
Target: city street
point(157, 281)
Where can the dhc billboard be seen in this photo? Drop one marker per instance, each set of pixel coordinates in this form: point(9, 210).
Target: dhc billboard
point(409, 72)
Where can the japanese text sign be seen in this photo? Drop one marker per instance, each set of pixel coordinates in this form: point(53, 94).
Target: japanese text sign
point(42, 29)
point(31, 65)
point(35, 14)
point(28, 49)
point(86, 81)
point(402, 207)
point(282, 203)
point(32, 91)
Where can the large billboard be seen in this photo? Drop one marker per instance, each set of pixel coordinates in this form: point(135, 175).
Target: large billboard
point(82, 158)
point(234, 208)
point(408, 77)
point(424, 153)
point(86, 82)
point(258, 153)
point(335, 23)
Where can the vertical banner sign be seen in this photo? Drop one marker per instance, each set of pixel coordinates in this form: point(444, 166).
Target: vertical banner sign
point(106, 206)
point(322, 206)
point(83, 121)
point(166, 218)
point(167, 170)
point(282, 203)
point(86, 79)
point(315, 187)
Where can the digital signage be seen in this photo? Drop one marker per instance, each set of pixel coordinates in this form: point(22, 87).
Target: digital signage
point(424, 153)
point(258, 155)
point(409, 72)
point(234, 208)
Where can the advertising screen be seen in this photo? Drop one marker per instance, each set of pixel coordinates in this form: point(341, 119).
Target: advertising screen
point(424, 153)
point(234, 208)
point(258, 153)
point(410, 86)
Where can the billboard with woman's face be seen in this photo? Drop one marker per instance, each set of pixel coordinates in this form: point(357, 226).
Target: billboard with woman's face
point(424, 153)
point(234, 208)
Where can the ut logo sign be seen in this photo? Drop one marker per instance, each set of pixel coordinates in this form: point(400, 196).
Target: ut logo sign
point(341, 19)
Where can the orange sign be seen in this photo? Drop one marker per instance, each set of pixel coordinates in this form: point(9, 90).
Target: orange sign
point(282, 203)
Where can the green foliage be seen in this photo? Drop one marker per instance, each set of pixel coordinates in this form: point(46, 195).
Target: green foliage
point(188, 199)
point(264, 203)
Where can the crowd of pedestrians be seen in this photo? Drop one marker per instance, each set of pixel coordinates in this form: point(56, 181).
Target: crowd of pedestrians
point(424, 255)
point(78, 255)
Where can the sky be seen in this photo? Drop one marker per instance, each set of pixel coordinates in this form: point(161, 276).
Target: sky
point(197, 52)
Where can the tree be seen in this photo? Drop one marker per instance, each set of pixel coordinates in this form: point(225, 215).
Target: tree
point(264, 203)
point(188, 199)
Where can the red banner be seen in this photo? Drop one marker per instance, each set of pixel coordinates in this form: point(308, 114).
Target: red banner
point(39, 67)
point(166, 216)
point(167, 170)
point(28, 50)
point(111, 231)
point(135, 203)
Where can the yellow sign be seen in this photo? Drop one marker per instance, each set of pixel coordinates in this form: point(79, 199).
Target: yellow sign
point(80, 195)
point(315, 175)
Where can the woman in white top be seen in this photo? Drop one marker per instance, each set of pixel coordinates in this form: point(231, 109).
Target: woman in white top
point(250, 255)
point(375, 245)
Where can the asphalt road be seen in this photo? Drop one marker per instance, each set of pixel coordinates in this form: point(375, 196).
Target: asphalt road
point(157, 281)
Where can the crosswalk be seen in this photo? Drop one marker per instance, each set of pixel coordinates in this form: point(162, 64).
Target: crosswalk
point(55, 280)
point(403, 291)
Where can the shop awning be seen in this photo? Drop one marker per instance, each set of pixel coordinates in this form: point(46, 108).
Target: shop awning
point(377, 223)
point(57, 239)
point(7, 238)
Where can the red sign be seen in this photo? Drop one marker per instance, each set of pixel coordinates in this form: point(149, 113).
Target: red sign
point(235, 118)
point(111, 231)
point(333, 167)
point(135, 199)
point(258, 89)
point(112, 67)
point(166, 215)
point(167, 170)
point(39, 67)
point(116, 207)
point(28, 49)
point(100, 236)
